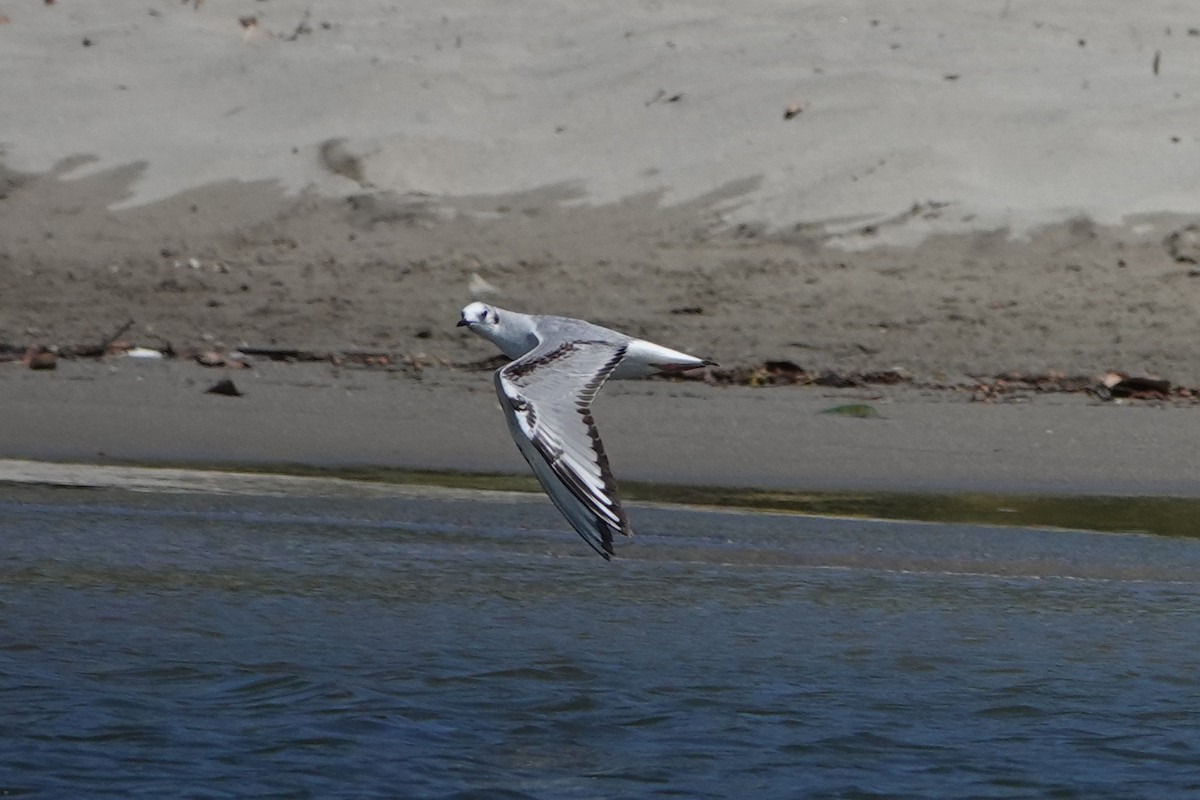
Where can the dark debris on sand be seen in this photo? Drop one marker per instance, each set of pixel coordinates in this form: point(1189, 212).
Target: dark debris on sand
point(1003, 387)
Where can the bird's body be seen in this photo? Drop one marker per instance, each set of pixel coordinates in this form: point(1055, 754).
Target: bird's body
point(559, 364)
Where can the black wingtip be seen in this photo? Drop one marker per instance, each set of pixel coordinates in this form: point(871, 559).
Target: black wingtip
point(604, 548)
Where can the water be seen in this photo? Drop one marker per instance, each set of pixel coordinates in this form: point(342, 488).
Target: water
point(366, 644)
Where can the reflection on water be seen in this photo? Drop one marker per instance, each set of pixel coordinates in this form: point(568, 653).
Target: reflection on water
point(1168, 516)
point(168, 644)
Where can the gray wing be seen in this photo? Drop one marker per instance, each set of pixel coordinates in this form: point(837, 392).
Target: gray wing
point(547, 396)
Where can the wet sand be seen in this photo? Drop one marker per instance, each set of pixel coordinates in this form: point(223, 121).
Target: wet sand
point(691, 433)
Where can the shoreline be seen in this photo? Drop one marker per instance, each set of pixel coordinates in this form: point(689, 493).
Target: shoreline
point(1156, 515)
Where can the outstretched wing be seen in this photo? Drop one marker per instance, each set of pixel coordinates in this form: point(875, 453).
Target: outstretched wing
point(547, 397)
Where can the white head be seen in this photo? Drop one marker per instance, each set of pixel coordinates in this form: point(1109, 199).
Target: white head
point(513, 333)
point(479, 317)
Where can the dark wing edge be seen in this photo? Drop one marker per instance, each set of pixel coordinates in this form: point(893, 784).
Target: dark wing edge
point(594, 512)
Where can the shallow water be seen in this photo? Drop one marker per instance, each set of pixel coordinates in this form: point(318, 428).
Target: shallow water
point(207, 645)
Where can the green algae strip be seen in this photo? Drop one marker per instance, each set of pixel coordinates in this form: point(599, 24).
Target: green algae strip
point(1166, 516)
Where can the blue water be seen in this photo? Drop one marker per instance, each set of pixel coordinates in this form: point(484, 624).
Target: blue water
point(210, 646)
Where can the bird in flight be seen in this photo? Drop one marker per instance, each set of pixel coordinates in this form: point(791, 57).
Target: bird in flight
point(559, 365)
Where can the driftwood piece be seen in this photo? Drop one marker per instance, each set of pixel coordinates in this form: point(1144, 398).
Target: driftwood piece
point(102, 348)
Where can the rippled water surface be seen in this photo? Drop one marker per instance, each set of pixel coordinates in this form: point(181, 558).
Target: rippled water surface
point(205, 645)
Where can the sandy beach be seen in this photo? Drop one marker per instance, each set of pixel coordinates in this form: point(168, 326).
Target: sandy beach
point(947, 194)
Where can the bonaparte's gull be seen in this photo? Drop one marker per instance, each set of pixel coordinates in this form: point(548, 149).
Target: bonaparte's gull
point(559, 364)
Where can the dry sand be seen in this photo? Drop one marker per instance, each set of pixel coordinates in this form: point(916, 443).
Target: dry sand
point(964, 190)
